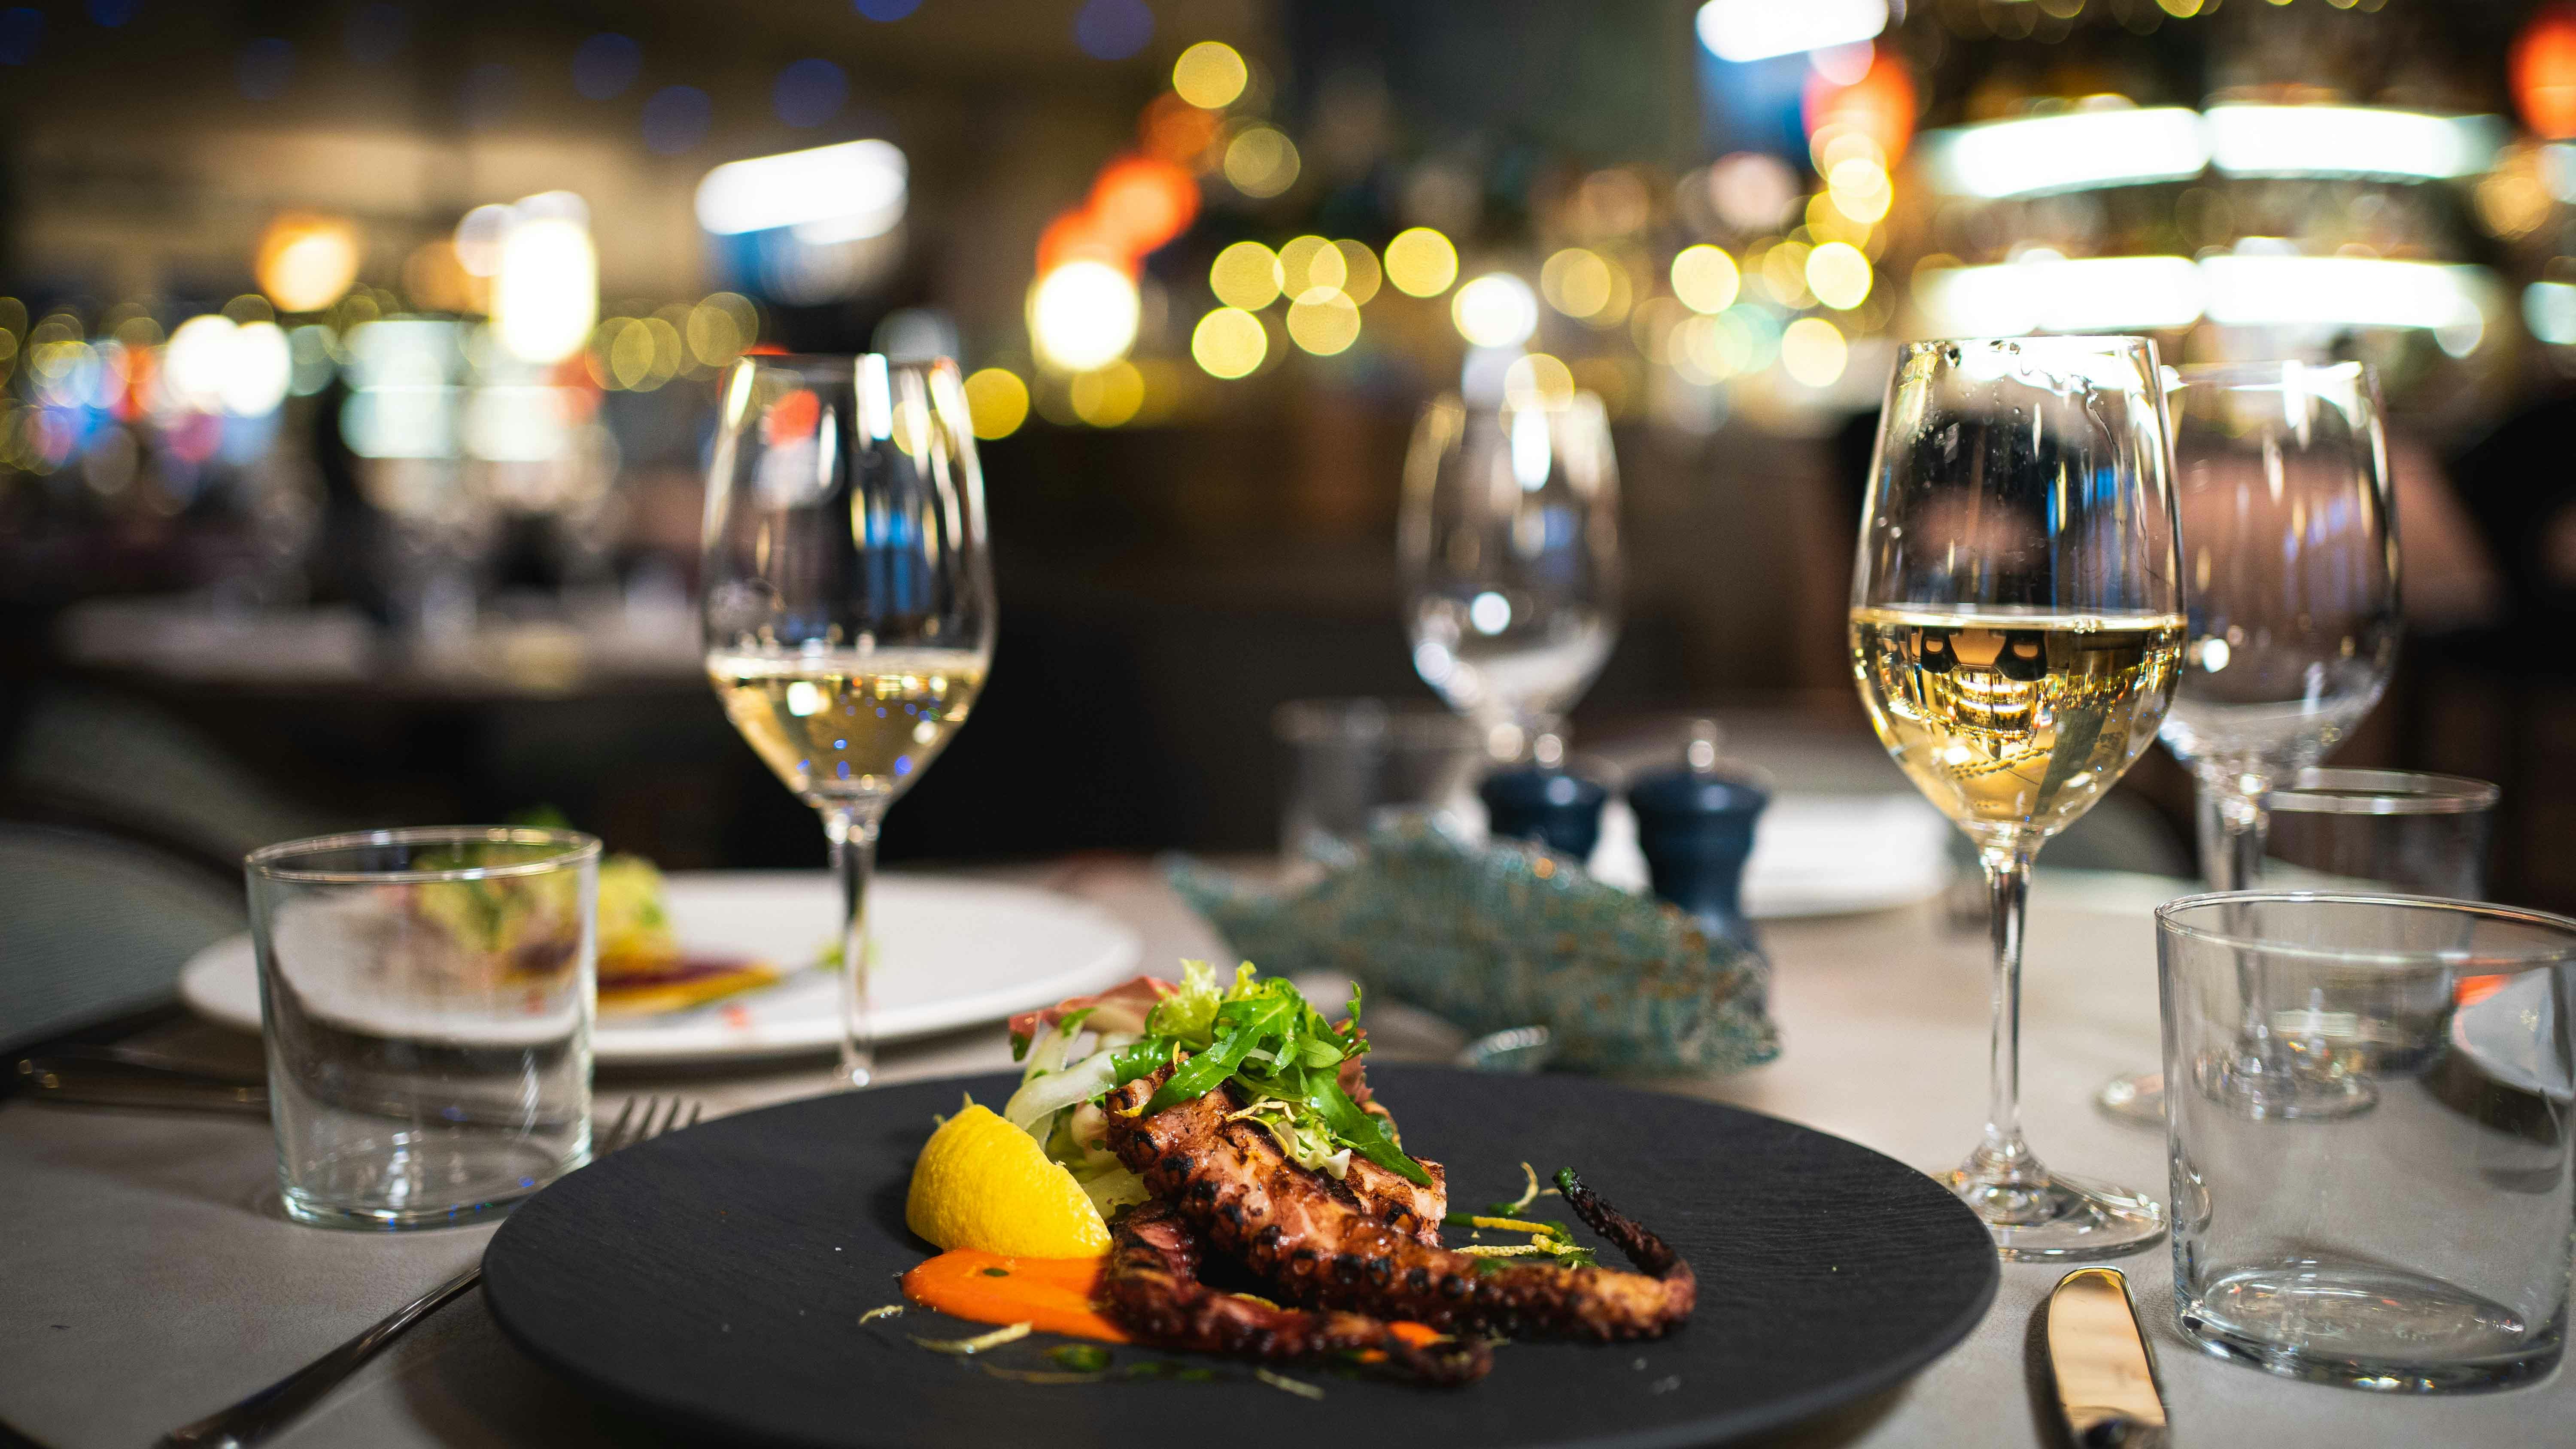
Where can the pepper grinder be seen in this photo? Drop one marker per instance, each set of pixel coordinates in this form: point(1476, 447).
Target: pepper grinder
point(1546, 807)
point(1695, 827)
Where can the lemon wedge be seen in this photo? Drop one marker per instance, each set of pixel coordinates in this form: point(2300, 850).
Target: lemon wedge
point(982, 1183)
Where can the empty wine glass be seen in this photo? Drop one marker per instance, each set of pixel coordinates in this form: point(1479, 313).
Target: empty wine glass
point(2016, 622)
point(1510, 540)
point(849, 597)
point(2289, 546)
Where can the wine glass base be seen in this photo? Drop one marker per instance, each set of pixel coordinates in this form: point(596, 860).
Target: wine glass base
point(2138, 1097)
point(2067, 1217)
point(2268, 1091)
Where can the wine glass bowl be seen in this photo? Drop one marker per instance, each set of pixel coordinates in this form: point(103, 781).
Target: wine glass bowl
point(2290, 557)
point(2016, 627)
point(849, 607)
point(1509, 535)
point(2290, 568)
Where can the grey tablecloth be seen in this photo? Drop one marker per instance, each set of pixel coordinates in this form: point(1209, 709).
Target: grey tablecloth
point(147, 1277)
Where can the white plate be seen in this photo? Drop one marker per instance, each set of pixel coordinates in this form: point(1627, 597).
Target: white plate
point(1814, 855)
point(950, 953)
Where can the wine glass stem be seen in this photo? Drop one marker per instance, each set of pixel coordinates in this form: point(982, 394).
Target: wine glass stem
point(2004, 1159)
point(2233, 828)
point(852, 829)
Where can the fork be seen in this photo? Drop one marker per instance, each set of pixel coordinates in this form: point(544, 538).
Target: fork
point(264, 1413)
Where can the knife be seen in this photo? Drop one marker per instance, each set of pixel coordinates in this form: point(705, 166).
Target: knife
point(115, 1077)
point(2106, 1384)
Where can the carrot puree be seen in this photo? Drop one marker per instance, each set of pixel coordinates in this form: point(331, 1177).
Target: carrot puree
point(1052, 1295)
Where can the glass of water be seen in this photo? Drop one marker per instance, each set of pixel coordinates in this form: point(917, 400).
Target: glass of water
point(1349, 759)
point(2421, 1243)
point(1509, 533)
point(426, 998)
point(2426, 835)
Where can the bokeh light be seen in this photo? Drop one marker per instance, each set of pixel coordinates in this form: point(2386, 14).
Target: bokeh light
point(605, 65)
point(212, 364)
point(1361, 274)
point(545, 293)
point(1210, 75)
point(1109, 396)
point(1784, 273)
point(1860, 188)
point(722, 327)
point(1421, 262)
point(845, 192)
point(1750, 190)
point(478, 238)
point(1113, 29)
point(1538, 381)
point(2542, 66)
point(1261, 161)
point(1839, 275)
point(1138, 203)
point(1705, 278)
point(259, 370)
point(1575, 282)
point(809, 92)
point(1813, 351)
point(997, 401)
point(1308, 262)
point(306, 261)
point(1083, 315)
point(1324, 321)
point(1229, 343)
point(1245, 275)
point(1495, 310)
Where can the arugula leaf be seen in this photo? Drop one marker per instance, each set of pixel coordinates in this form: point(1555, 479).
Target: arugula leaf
point(1364, 1132)
point(1242, 1025)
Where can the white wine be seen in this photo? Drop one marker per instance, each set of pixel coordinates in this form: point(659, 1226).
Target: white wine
point(2013, 721)
point(845, 725)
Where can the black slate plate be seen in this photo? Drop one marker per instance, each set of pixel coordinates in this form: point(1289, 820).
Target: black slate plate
point(714, 1278)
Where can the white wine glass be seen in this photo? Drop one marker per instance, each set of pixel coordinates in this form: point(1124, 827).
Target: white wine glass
point(1509, 534)
point(848, 598)
point(2016, 622)
point(2289, 549)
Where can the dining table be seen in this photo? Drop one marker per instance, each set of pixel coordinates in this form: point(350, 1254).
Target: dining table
point(149, 1276)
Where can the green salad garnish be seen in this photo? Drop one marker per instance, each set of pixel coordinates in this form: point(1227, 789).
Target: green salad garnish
point(1259, 1035)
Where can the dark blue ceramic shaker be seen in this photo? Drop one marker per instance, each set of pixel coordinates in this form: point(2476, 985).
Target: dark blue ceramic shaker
point(1695, 828)
point(1548, 807)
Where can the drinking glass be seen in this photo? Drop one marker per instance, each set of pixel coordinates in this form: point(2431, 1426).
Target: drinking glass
point(2421, 1245)
point(849, 598)
point(1509, 533)
point(2016, 622)
point(2289, 549)
point(1349, 759)
point(425, 999)
point(2422, 835)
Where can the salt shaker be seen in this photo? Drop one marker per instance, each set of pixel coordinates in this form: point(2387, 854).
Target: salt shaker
point(1695, 827)
point(1547, 807)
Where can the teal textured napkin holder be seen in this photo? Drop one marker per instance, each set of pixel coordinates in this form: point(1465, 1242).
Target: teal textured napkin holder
point(1503, 935)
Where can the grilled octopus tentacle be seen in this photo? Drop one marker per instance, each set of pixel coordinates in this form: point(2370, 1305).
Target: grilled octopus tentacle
point(1232, 1183)
point(1154, 1291)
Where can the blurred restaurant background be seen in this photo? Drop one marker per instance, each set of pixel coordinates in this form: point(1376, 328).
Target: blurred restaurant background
point(360, 362)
